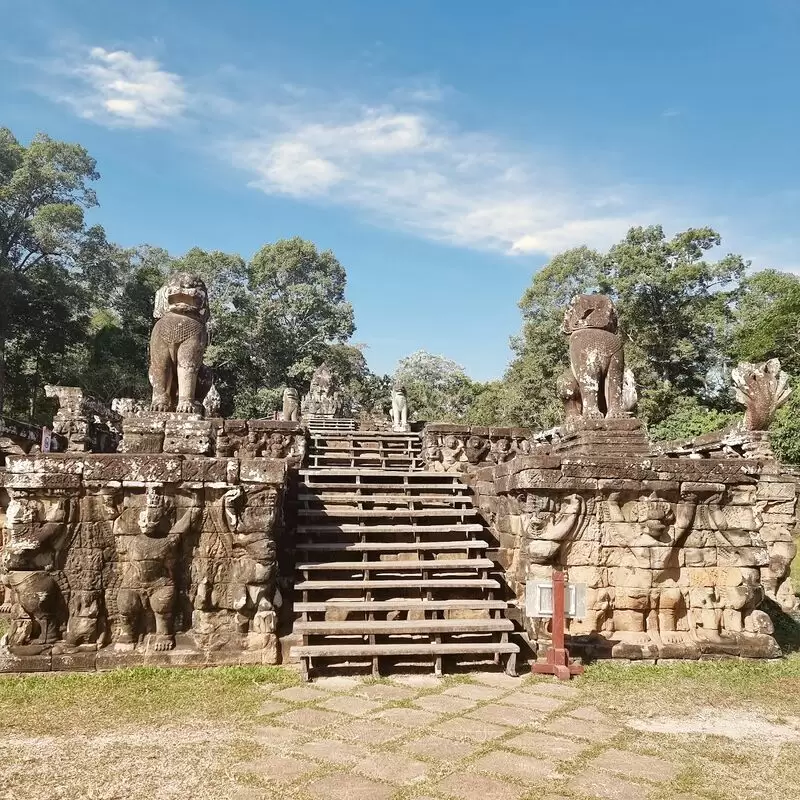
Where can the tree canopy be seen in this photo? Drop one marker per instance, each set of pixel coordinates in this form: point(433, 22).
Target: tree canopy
point(76, 308)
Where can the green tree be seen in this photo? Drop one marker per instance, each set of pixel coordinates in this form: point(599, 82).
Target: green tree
point(676, 312)
point(437, 388)
point(51, 263)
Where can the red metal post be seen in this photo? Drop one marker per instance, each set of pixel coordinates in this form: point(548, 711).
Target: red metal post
point(557, 661)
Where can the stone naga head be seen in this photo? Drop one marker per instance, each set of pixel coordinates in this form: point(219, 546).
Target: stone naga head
point(590, 311)
point(762, 389)
point(183, 293)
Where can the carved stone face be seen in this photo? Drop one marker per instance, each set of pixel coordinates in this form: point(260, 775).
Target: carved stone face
point(186, 293)
point(450, 442)
point(503, 445)
point(475, 442)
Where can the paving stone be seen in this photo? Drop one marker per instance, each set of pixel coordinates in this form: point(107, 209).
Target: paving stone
point(506, 715)
point(500, 679)
point(273, 707)
point(471, 729)
point(634, 765)
point(393, 768)
point(444, 703)
point(274, 736)
point(346, 786)
point(609, 787)
point(581, 729)
point(247, 793)
point(336, 683)
point(591, 714)
point(384, 691)
point(419, 681)
point(524, 768)
point(372, 733)
point(472, 691)
point(469, 786)
point(556, 689)
point(354, 706)
point(300, 694)
point(553, 747)
point(280, 767)
point(536, 702)
point(439, 748)
point(333, 750)
point(408, 717)
point(311, 718)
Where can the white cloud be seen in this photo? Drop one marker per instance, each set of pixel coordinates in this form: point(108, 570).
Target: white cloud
point(117, 88)
point(416, 172)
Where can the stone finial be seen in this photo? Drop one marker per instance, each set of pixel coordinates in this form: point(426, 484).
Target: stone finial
point(212, 402)
point(595, 384)
point(323, 398)
point(762, 389)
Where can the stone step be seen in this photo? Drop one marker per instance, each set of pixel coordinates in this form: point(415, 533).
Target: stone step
point(382, 606)
point(365, 472)
point(351, 486)
point(451, 648)
point(389, 547)
point(402, 627)
point(427, 565)
point(341, 498)
point(387, 512)
point(413, 583)
point(303, 528)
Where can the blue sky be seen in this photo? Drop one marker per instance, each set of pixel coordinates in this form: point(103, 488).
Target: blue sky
point(443, 150)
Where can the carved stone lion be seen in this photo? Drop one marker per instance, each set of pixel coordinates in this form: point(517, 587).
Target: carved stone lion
point(593, 385)
point(178, 343)
point(762, 389)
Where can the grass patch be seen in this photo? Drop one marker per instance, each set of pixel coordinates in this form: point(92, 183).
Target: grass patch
point(93, 701)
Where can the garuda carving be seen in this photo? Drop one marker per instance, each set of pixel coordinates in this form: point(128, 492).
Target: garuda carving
point(178, 343)
point(595, 384)
point(762, 389)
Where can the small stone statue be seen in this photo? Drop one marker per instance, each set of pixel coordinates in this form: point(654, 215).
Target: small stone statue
point(399, 409)
point(291, 405)
point(253, 447)
point(212, 402)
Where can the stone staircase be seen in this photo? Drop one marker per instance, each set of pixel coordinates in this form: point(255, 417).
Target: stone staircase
point(391, 560)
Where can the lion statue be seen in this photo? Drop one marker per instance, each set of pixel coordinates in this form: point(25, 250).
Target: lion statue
point(596, 384)
point(177, 344)
point(762, 389)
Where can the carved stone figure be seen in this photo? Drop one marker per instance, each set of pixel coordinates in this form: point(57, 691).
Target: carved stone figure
point(35, 530)
point(452, 452)
point(148, 561)
point(278, 445)
point(178, 343)
point(399, 409)
point(476, 449)
point(762, 389)
point(593, 386)
point(547, 532)
point(291, 405)
point(253, 446)
point(212, 403)
point(323, 398)
point(501, 450)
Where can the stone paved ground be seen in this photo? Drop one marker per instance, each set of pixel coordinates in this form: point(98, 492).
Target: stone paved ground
point(419, 738)
point(483, 736)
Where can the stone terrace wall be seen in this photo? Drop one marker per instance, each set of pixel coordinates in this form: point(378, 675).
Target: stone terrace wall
point(676, 553)
point(125, 559)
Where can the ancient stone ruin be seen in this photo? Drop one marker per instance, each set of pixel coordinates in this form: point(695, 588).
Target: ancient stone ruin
point(164, 534)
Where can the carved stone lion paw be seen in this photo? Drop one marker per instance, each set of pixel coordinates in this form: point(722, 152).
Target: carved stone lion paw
point(185, 407)
point(160, 406)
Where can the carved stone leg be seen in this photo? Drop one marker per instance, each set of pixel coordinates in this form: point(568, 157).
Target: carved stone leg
point(613, 387)
point(37, 594)
point(130, 609)
point(6, 603)
point(187, 380)
point(161, 602)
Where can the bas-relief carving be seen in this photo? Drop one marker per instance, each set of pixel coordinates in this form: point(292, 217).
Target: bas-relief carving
point(664, 575)
point(133, 569)
point(465, 451)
